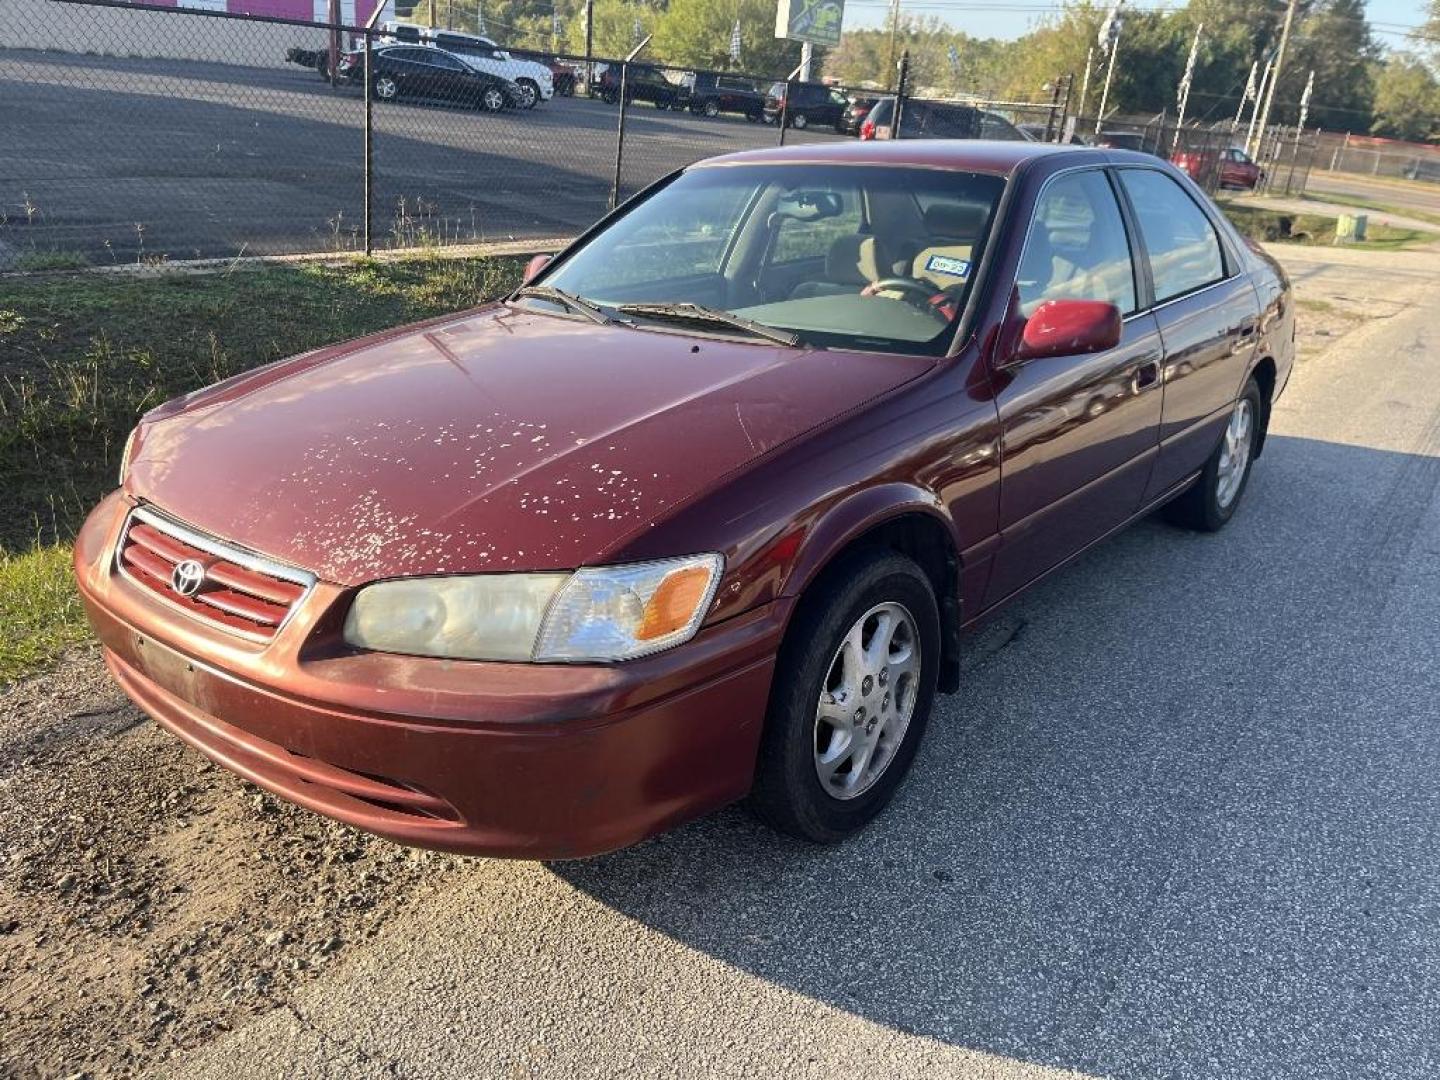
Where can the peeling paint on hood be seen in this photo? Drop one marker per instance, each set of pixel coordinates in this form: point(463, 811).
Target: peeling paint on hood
point(497, 440)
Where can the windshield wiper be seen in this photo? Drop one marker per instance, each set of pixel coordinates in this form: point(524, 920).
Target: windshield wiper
point(565, 299)
point(697, 313)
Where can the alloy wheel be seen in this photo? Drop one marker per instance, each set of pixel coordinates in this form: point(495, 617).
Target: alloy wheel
point(385, 87)
point(493, 100)
point(528, 95)
point(1234, 453)
point(867, 701)
point(800, 121)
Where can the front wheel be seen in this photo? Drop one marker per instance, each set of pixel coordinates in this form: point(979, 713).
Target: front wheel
point(852, 695)
point(529, 93)
point(386, 88)
point(1210, 502)
point(492, 99)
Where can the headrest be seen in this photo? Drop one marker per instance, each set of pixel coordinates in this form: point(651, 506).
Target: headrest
point(851, 260)
point(955, 220)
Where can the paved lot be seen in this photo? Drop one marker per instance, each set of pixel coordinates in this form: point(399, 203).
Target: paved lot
point(119, 159)
point(1182, 820)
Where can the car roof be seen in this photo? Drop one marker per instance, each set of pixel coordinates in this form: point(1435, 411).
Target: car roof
point(972, 155)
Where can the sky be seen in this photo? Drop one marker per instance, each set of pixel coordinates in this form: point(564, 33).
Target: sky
point(1011, 18)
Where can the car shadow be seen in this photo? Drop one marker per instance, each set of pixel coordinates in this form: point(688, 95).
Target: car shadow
point(1180, 819)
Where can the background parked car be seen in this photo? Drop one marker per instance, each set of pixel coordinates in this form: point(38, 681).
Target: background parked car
point(856, 110)
point(712, 93)
point(1121, 140)
point(642, 83)
point(810, 103)
point(1236, 168)
point(937, 120)
point(535, 80)
point(425, 72)
point(564, 75)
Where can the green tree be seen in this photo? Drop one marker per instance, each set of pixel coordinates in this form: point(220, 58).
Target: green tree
point(696, 33)
point(1332, 39)
point(1407, 100)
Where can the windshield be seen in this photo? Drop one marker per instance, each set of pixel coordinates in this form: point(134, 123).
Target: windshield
point(850, 256)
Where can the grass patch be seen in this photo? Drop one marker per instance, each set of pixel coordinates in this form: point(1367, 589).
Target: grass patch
point(1278, 226)
point(36, 261)
point(84, 355)
point(40, 614)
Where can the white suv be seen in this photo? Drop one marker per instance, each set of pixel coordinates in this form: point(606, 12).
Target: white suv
point(535, 81)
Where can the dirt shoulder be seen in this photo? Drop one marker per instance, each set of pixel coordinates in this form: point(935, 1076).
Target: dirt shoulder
point(149, 900)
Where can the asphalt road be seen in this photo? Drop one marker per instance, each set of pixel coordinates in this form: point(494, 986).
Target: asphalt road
point(1183, 820)
point(1401, 194)
point(121, 159)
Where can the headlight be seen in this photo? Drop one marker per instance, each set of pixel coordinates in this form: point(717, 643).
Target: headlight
point(125, 454)
point(611, 613)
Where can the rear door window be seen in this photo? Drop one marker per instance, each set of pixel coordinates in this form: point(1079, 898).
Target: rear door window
point(1180, 242)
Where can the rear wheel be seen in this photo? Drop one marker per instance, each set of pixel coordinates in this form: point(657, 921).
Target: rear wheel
point(1211, 501)
point(529, 93)
point(800, 121)
point(711, 108)
point(852, 696)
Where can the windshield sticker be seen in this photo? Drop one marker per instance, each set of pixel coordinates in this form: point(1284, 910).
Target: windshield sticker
point(946, 264)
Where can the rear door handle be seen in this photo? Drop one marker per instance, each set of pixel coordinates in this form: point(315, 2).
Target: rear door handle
point(1146, 375)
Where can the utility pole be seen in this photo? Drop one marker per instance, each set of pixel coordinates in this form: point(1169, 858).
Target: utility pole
point(432, 12)
point(1275, 74)
point(807, 57)
point(894, 30)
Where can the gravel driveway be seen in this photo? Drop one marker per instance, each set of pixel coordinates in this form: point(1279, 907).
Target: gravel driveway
point(1182, 820)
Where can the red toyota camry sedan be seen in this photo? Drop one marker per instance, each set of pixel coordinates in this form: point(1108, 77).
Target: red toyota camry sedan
point(699, 512)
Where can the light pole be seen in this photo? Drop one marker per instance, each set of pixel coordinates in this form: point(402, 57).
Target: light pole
point(894, 29)
point(1275, 75)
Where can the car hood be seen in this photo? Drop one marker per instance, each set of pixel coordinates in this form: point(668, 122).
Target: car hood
point(495, 440)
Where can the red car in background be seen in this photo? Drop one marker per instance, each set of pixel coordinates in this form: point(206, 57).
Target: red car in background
point(700, 511)
point(1236, 169)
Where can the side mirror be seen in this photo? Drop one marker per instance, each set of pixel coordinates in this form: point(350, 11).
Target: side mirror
point(1069, 328)
point(534, 266)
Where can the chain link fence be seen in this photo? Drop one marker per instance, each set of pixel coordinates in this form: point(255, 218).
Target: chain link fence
point(138, 133)
point(1369, 156)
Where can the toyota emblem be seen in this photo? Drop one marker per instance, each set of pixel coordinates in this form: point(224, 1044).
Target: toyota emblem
point(187, 577)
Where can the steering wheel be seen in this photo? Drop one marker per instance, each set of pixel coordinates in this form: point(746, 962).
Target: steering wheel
point(917, 293)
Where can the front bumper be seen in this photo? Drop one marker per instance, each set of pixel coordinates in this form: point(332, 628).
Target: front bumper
point(536, 761)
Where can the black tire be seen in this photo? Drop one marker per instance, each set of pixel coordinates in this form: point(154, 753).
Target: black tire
point(531, 89)
point(610, 97)
point(492, 99)
point(711, 109)
point(800, 121)
point(788, 793)
point(1201, 505)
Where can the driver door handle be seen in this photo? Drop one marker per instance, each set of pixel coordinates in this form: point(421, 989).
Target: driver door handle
point(1146, 375)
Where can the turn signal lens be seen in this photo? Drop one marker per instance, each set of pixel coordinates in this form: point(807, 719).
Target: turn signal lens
point(621, 612)
point(674, 602)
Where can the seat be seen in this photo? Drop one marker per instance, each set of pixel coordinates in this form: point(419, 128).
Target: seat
point(850, 265)
point(951, 230)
